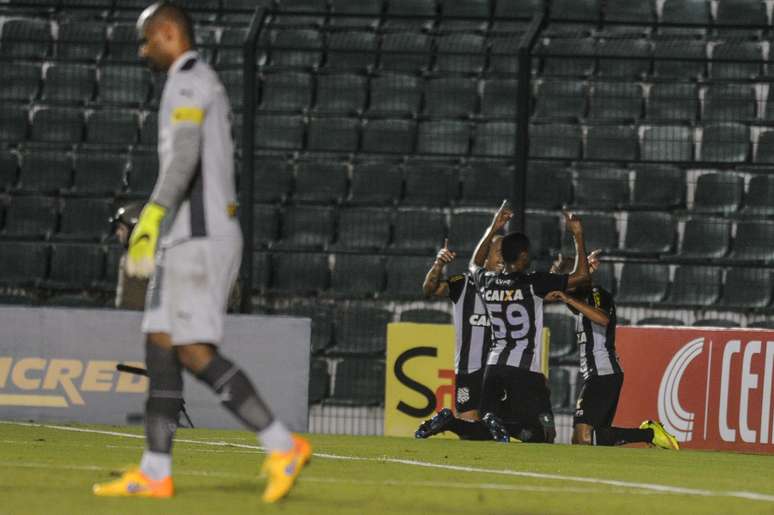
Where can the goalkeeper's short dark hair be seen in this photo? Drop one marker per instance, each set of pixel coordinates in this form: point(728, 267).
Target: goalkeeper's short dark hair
point(513, 245)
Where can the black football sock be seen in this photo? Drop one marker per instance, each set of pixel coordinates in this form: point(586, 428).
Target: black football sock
point(469, 429)
point(165, 397)
point(621, 435)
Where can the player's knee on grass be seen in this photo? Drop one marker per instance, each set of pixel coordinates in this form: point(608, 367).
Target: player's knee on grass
point(471, 415)
point(582, 434)
point(196, 357)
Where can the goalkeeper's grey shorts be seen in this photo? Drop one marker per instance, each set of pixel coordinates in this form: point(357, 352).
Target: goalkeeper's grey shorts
point(188, 292)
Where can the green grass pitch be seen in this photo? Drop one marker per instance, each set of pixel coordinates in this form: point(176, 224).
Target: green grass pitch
point(49, 470)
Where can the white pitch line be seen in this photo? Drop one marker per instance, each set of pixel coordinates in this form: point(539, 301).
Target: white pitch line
point(653, 487)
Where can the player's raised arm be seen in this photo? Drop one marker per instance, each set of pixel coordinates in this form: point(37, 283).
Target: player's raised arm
point(595, 314)
point(501, 218)
point(433, 285)
point(581, 275)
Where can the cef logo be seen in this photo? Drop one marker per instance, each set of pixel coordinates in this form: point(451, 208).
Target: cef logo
point(60, 383)
point(711, 388)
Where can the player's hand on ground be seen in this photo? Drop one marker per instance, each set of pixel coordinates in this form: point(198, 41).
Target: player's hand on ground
point(593, 260)
point(142, 244)
point(573, 223)
point(503, 215)
point(554, 296)
point(445, 256)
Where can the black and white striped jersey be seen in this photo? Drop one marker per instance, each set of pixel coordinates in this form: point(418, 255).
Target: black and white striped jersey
point(597, 343)
point(514, 302)
point(471, 325)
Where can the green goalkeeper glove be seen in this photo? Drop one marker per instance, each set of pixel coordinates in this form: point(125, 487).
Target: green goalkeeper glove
point(142, 244)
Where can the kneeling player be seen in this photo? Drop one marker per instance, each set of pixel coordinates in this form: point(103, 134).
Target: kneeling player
point(595, 314)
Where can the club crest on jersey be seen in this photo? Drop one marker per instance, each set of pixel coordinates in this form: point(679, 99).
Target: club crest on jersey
point(503, 295)
point(463, 395)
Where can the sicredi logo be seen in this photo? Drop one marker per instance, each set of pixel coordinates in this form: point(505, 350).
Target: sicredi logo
point(735, 396)
point(60, 383)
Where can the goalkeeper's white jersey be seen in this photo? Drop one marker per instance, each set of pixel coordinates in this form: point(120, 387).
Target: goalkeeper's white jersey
point(193, 92)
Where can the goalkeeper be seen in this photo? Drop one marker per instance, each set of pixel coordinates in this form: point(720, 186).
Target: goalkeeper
point(191, 218)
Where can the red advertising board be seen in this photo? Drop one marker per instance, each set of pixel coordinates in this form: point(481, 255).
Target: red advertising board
point(711, 388)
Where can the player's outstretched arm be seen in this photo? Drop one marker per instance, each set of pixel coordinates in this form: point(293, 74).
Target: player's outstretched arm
point(433, 285)
point(501, 218)
point(596, 315)
point(581, 275)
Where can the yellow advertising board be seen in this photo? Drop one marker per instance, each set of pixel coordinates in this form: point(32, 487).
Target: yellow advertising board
point(420, 374)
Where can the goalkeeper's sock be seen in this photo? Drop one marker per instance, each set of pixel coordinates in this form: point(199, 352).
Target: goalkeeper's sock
point(156, 465)
point(609, 436)
point(469, 429)
point(276, 437)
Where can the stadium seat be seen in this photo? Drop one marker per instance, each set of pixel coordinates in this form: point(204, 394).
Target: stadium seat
point(57, 125)
point(715, 322)
point(143, 170)
point(286, 91)
point(600, 231)
point(602, 188)
point(76, 266)
point(364, 228)
point(297, 48)
point(85, 219)
point(299, 272)
point(559, 386)
point(549, 185)
point(669, 54)
point(561, 141)
point(22, 263)
point(80, 40)
point(360, 329)
point(650, 233)
point(333, 134)
point(460, 53)
point(759, 200)
point(261, 271)
point(375, 183)
point(749, 13)
point(466, 228)
point(99, 173)
point(357, 275)
point(30, 217)
point(667, 143)
point(45, 172)
point(736, 60)
point(20, 82)
point(359, 381)
point(343, 93)
point(405, 52)
point(499, 99)
point(431, 184)
point(321, 317)
point(563, 339)
point(448, 137)
point(503, 56)
point(9, 167)
point(695, 12)
point(611, 142)
point(765, 149)
point(425, 316)
point(543, 233)
point(668, 321)
point(477, 179)
point(495, 139)
point(230, 48)
point(25, 38)
point(747, 288)
point(568, 57)
point(561, 99)
point(405, 275)
point(673, 102)
point(122, 42)
point(289, 12)
point(719, 192)
point(754, 241)
point(149, 129)
point(307, 227)
point(615, 101)
point(233, 82)
point(266, 223)
point(730, 103)
point(365, 13)
point(320, 181)
point(319, 381)
point(643, 283)
point(112, 126)
point(450, 97)
point(695, 286)
point(419, 229)
point(604, 276)
point(389, 136)
point(453, 15)
point(351, 50)
point(658, 187)
point(395, 94)
point(624, 58)
point(706, 238)
point(13, 123)
point(762, 324)
point(623, 10)
point(410, 14)
point(272, 179)
point(123, 84)
point(278, 132)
